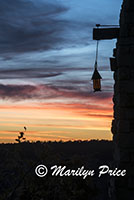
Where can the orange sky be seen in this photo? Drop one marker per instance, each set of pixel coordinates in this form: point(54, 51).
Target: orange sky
point(87, 120)
point(47, 58)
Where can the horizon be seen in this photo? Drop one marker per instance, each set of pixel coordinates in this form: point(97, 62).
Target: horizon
point(46, 64)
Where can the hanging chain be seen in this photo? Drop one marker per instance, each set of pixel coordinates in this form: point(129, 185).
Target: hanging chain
point(96, 59)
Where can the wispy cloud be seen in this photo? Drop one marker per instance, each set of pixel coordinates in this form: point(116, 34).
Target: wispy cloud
point(46, 62)
point(27, 73)
point(20, 92)
point(30, 26)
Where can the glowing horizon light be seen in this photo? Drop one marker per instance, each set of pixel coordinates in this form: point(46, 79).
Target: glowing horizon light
point(46, 64)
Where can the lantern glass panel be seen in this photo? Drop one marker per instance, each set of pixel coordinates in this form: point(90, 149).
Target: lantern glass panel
point(97, 85)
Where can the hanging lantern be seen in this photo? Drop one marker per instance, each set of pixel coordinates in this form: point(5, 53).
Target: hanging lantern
point(96, 80)
point(96, 77)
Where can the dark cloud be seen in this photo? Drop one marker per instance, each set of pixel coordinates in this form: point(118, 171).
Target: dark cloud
point(27, 73)
point(100, 115)
point(41, 72)
point(31, 25)
point(21, 92)
point(28, 25)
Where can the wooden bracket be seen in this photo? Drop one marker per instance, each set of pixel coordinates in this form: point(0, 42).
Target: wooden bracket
point(105, 33)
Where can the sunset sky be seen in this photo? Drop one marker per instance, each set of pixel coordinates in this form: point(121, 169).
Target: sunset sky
point(47, 57)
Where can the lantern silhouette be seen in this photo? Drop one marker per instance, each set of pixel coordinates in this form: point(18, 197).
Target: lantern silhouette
point(96, 77)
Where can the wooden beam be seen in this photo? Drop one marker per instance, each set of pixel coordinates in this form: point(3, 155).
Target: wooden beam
point(105, 33)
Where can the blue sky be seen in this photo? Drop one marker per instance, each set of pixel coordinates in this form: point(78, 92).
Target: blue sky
point(54, 37)
point(47, 56)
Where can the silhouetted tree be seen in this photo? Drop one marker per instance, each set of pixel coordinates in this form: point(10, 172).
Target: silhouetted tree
point(21, 137)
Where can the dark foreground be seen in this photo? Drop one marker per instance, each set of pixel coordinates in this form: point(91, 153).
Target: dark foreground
point(18, 180)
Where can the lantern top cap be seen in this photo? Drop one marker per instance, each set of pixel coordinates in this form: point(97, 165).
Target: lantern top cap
point(96, 75)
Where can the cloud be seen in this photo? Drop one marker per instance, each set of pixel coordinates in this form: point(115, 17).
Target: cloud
point(29, 26)
point(45, 92)
point(27, 73)
point(43, 72)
